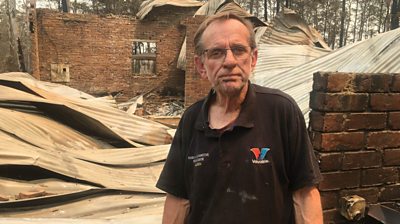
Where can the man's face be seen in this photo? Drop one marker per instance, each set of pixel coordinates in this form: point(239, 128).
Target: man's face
point(229, 73)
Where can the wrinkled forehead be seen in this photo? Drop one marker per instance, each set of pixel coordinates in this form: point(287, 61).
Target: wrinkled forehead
point(223, 30)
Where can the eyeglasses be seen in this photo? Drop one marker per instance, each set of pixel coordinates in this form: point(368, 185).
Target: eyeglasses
point(239, 52)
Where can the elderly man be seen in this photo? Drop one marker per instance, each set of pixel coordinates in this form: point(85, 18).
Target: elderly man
point(241, 155)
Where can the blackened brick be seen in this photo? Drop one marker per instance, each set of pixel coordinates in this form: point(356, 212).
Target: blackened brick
point(372, 83)
point(338, 102)
point(319, 81)
point(357, 160)
point(396, 83)
point(326, 122)
point(394, 120)
point(329, 199)
point(340, 180)
point(330, 161)
point(379, 176)
point(391, 192)
point(391, 157)
point(333, 216)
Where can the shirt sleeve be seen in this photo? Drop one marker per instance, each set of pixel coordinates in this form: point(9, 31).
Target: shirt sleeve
point(303, 168)
point(172, 176)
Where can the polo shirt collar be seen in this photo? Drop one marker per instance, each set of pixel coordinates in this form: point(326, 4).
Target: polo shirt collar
point(246, 115)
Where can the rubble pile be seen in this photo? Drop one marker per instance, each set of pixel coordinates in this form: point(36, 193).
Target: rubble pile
point(66, 154)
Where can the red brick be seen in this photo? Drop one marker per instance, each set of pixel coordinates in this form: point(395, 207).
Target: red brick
point(357, 160)
point(330, 161)
point(326, 122)
point(394, 120)
point(391, 157)
point(390, 193)
point(339, 82)
point(396, 83)
point(369, 194)
point(340, 180)
point(99, 50)
point(385, 102)
point(343, 141)
point(383, 139)
point(329, 199)
point(372, 83)
point(379, 176)
point(365, 121)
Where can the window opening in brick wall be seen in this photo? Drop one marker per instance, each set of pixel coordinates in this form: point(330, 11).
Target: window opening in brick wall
point(144, 57)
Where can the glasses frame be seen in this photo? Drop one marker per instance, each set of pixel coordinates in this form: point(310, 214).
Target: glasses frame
point(224, 51)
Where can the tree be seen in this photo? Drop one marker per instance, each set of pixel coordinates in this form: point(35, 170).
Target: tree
point(342, 17)
point(265, 10)
point(394, 21)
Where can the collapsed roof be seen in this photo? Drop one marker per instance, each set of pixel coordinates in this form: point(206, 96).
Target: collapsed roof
point(380, 54)
point(147, 6)
point(64, 154)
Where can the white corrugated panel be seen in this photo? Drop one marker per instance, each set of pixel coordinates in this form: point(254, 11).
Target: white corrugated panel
point(148, 5)
point(380, 54)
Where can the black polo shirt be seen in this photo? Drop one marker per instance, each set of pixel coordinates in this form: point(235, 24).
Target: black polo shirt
point(247, 173)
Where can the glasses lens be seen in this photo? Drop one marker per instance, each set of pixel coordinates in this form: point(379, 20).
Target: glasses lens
point(239, 52)
point(216, 53)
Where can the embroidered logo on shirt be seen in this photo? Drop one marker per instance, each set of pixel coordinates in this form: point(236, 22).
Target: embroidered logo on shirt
point(198, 159)
point(260, 155)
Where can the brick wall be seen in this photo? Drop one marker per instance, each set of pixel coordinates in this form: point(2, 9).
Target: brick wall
point(355, 127)
point(195, 87)
point(98, 49)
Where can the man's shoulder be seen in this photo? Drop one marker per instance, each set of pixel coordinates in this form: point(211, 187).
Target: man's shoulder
point(195, 107)
point(192, 112)
point(272, 94)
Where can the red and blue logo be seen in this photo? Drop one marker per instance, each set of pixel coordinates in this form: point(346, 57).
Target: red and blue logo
point(260, 155)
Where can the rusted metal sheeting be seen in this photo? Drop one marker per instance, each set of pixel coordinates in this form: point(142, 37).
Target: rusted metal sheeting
point(120, 207)
point(128, 126)
point(62, 162)
point(380, 54)
point(148, 5)
point(66, 114)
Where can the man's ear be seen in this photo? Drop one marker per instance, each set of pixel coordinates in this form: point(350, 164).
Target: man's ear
point(254, 57)
point(198, 61)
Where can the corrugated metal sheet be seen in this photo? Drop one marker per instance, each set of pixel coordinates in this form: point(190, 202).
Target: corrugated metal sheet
point(11, 188)
point(62, 162)
point(130, 127)
point(286, 43)
point(380, 54)
point(278, 58)
point(288, 28)
point(111, 207)
point(148, 5)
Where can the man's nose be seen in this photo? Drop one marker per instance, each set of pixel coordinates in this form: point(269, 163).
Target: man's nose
point(230, 59)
